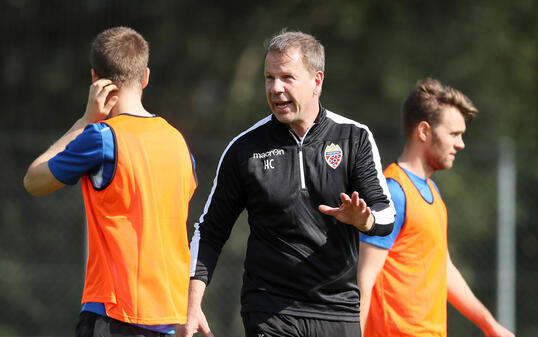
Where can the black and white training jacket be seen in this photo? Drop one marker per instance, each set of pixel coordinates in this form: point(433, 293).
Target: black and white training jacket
point(298, 261)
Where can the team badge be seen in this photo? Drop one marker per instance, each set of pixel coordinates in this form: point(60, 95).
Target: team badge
point(333, 155)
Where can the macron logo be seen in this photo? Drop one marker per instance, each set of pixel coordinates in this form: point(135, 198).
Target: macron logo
point(270, 153)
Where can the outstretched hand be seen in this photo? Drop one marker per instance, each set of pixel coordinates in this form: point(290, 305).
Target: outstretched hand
point(99, 103)
point(352, 211)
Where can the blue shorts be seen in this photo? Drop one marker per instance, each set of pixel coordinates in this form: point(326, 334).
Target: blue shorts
point(91, 324)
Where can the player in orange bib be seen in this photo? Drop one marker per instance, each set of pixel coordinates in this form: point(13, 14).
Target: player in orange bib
point(137, 180)
point(415, 276)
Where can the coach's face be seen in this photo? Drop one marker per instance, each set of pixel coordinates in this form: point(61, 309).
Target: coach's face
point(292, 90)
point(446, 140)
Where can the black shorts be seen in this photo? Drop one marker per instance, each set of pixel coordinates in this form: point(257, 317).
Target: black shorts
point(263, 324)
point(91, 324)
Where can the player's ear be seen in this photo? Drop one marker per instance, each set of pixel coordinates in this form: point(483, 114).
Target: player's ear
point(423, 131)
point(145, 81)
point(94, 75)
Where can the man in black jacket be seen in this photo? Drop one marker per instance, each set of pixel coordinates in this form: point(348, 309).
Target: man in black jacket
point(301, 260)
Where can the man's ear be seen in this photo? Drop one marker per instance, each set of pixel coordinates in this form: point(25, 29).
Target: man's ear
point(318, 79)
point(423, 131)
point(145, 81)
point(94, 75)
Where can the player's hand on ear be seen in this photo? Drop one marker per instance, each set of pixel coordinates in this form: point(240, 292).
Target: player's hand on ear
point(101, 100)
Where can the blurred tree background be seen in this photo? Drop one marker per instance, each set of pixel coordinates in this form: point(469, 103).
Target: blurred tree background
point(207, 80)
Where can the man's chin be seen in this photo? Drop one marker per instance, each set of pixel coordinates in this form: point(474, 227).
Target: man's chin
point(283, 117)
point(448, 165)
point(440, 166)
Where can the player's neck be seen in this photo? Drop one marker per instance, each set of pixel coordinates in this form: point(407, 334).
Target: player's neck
point(129, 103)
point(413, 160)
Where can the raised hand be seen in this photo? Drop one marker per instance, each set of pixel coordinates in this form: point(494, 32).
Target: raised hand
point(100, 100)
point(352, 211)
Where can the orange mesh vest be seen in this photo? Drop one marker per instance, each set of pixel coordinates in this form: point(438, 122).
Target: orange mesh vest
point(138, 261)
point(410, 294)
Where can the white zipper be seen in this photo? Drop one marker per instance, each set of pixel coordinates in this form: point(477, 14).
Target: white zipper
point(301, 166)
point(301, 162)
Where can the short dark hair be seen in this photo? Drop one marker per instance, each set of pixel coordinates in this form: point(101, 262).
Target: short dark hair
point(427, 100)
point(312, 50)
point(120, 54)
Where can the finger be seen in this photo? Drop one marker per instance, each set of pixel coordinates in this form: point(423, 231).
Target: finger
point(355, 200)
point(110, 104)
point(345, 198)
point(99, 92)
point(206, 331)
point(101, 82)
point(103, 100)
point(107, 89)
point(363, 207)
point(361, 204)
point(97, 86)
point(367, 211)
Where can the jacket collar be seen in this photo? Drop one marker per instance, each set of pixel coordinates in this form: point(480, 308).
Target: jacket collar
point(322, 115)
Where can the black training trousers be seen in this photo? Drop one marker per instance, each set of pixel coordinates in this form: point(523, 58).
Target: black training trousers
point(263, 324)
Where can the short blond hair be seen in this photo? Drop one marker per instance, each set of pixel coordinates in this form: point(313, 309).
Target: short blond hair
point(121, 55)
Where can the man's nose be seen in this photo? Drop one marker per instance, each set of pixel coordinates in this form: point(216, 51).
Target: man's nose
point(460, 145)
point(276, 86)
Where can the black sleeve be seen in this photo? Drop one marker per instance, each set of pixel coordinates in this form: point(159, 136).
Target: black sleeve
point(369, 181)
point(225, 203)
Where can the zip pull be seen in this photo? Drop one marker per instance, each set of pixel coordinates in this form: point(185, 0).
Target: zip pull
point(301, 161)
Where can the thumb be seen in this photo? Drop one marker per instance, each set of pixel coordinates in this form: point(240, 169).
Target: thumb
point(327, 209)
point(323, 208)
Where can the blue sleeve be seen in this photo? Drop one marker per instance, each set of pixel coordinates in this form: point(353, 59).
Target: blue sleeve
point(398, 198)
point(82, 155)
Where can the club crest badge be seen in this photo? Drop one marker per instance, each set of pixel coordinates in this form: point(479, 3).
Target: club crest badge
point(333, 155)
